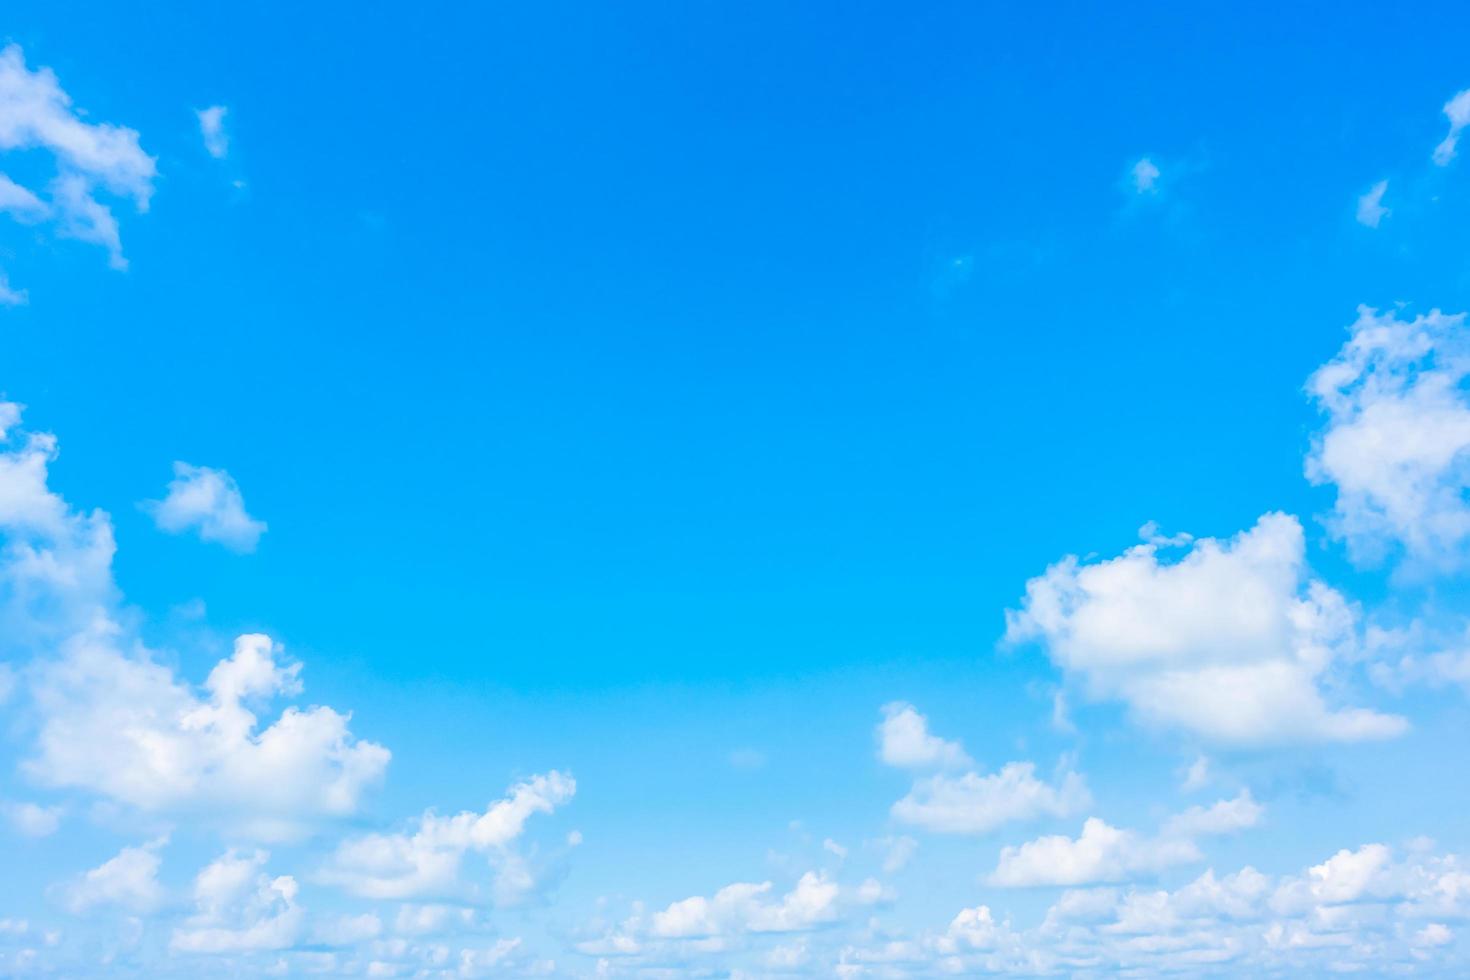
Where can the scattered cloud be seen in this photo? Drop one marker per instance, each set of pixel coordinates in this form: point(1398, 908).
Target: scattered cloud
point(1457, 110)
point(904, 741)
point(212, 129)
point(207, 501)
point(37, 114)
point(1370, 206)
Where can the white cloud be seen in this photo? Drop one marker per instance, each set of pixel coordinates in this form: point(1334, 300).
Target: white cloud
point(207, 501)
point(1228, 642)
point(126, 728)
point(1104, 853)
point(212, 129)
point(746, 907)
point(240, 908)
point(128, 881)
point(110, 720)
point(35, 113)
point(976, 804)
point(1223, 817)
point(1457, 110)
point(1397, 440)
point(1370, 206)
point(904, 741)
point(20, 203)
point(32, 819)
point(426, 862)
point(1345, 877)
point(1145, 176)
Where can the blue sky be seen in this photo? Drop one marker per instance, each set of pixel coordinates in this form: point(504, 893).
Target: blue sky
point(651, 491)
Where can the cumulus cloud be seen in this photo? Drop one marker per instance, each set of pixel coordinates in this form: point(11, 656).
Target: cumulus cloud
point(904, 741)
point(207, 501)
point(128, 882)
point(126, 728)
point(1370, 206)
point(240, 908)
point(426, 862)
point(212, 129)
point(1229, 642)
point(1396, 439)
point(110, 720)
point(37, 114)
point(1457, 111)
point(1103, 853)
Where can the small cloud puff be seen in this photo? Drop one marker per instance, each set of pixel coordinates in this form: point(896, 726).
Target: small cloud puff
point(1370, 206)
point(212, 128)
point(1145, 175)
point(208, 501)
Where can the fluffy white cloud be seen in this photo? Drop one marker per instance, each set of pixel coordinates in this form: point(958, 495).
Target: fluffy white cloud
point(1457, 111)
point(110, 720)
point(904, 741)
point(1370, 206)
point(976, 804)
point(746, 907)
point(126, 728)
point(1398, 430)
point(1228, 642)
point(241, 908)
point(426, 862)
point(128, 881)
point(36, 113)
point(207, 501)
point(212, 129)
point(1101, 853)
point(1104, 853)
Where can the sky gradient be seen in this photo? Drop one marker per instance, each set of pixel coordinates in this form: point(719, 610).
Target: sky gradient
point(708, 491)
